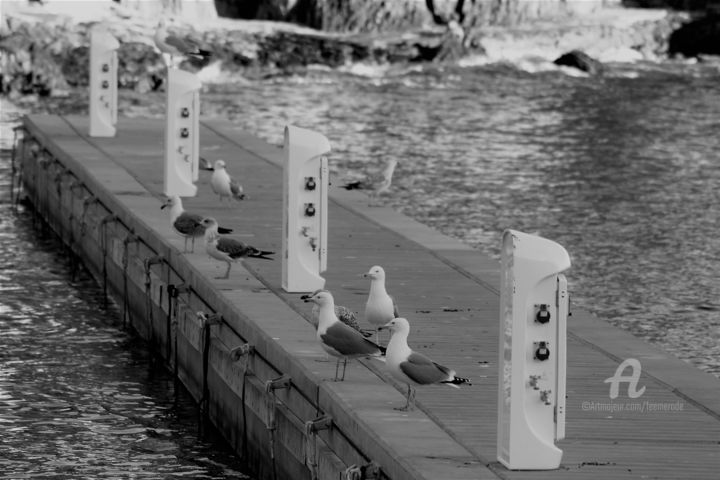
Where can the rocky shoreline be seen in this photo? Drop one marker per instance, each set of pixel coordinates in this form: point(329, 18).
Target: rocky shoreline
point(48, 55)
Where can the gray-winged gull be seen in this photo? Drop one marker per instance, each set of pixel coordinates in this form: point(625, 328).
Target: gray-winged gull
point(228, 250)
point(223, 184)
point(377, 183)
point(171, 45)
point(187, 225)
point(413, 368)
point(338, 339)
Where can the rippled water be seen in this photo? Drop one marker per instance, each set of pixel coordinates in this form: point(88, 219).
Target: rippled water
point(622, 170)
point(79, 396)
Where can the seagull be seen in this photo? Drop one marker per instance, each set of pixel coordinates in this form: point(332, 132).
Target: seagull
point(223, 184)
point(344, 314)
point(171, 45)
point(380, 307)
point(377, 183)
point(226, 249)
point(338, 339)
point(413, 368)
point(186, 224)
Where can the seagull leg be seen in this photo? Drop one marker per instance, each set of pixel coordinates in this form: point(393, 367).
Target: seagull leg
point(227, 272)
point(192, 245)
point(185, 248)
point(342, 379)
point(337, 366)
point(410, 400)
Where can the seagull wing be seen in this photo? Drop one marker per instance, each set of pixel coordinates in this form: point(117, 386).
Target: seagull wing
point(179, 43)
point(423, 371)
point(348, 342)
point(396, 312)
point(189, 224)
point(236, 249)
point(347, 316)
point(236, 189)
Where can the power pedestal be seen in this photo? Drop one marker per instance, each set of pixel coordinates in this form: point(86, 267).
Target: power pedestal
point(103, 82)
point(305, 188)
point(532, 361)
point(182, 133)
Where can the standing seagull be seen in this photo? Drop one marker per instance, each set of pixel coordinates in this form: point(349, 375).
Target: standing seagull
point(413, 368)
point(344, 314)
point(380, 307)
point(172, 46)
point(226, 249)
point(186, 224)
point(338, 339)
point(223, 184)
point(376, 183)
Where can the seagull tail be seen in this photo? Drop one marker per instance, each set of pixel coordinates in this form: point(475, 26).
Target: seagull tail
point(455, 381)
point(261, 254)
point(353, 186)
point(224, 230)
point(200, 54)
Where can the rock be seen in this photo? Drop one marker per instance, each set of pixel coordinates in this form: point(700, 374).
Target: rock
point(697, 37)
point(581, 61)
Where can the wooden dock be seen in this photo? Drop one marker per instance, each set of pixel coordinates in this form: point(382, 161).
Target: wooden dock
point(103, 197)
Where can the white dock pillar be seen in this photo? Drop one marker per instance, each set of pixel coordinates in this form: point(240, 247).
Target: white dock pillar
point(532, 359)
point(182, 133)
point(305, 187)
point(103, 82)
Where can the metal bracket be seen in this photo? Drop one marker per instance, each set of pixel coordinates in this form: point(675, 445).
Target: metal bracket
point(240, 351)
point(283, 381)
point(323, 422)
point(77, 183)
point(109, 218)
point(174, 291)
point(150, 261)
point(212, 319)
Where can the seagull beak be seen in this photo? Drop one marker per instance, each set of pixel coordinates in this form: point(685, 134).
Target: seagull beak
point(387, 326)
point(306, 298)
point(163, 206)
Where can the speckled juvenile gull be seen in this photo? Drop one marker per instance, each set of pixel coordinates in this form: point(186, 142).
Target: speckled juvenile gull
point(226, 249)
point(380, 307)
point(223, 184)
point(338, 339)
point(413, 368)
point(187, 225)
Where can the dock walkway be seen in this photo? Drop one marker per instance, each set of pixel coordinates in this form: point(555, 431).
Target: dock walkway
point(448, 291)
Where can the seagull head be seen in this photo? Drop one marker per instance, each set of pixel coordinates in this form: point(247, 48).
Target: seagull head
point(375, 272)
point(219, 164)
point(397, 325)
point(171, 202)
point(210, 225)
point(320, 297)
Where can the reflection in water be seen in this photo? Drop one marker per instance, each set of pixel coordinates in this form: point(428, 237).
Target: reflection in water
point(79, 397)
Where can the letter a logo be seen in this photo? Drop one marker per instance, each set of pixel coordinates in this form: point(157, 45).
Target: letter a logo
point(632, 380)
